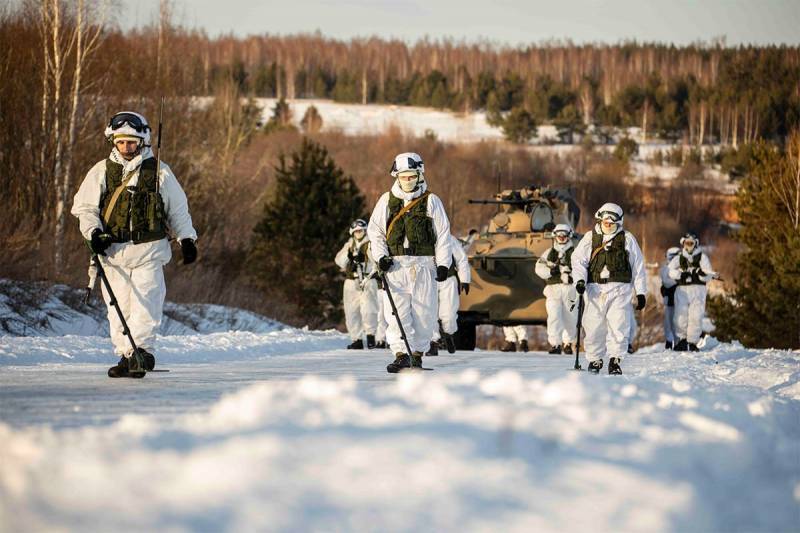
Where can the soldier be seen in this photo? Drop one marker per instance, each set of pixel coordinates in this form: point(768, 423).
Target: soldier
point(127, 208)
point(668, 286)
point(608, 266)
point(555, 267)
point(458, 280)
point(410, 237)
point(692, 270)
point(360, 291)
point(516, 337)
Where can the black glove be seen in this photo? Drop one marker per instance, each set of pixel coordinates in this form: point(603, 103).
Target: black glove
point(641, 300)
point(441, 273)
point(555, 272)
point(664, 291)
point(188, 251)
point(580, 287)
point(685, 277)
point(385, 263)
point(99, 242)
point(465, 288)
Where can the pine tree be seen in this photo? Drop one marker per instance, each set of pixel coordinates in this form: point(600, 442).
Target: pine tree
point(305, 221)
point(312, 120)
point(519, 126)
point(764, 309)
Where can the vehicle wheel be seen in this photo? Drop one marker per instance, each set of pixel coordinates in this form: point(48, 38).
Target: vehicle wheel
point(465, 336)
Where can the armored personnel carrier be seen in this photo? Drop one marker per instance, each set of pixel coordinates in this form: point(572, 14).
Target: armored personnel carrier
point(505, 290)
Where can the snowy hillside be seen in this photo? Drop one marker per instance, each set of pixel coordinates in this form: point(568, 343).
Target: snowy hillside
point(284, 431)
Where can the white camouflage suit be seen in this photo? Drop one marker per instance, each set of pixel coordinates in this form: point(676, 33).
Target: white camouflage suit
point(359, 295)
point(135, 271)
point(449, 290)
point(562, 314)
point(690, 300)
point(515, 334)
point(607, 311)
point(412, 279)
point(669, 310)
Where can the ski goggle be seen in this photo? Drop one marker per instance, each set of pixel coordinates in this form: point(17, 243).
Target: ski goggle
point(134, 121)
point(562, 234)
point(609, 215)
point(411, 164)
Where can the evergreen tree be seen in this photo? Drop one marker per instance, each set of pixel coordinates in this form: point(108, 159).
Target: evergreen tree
point(281, 116)
point(519, 126)
point(312, 120)
point(305, 221)
point(764, 309)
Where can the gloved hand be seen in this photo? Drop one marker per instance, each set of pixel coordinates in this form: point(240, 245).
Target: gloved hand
point(555, 272)
point(99, 242)
point(360, 257)
point(664, 291)
point(385, 263)
point(188, 251)
point(641, 301)
point(685, 277)
point(465, 288)
point(580, 287)
point(441, 273)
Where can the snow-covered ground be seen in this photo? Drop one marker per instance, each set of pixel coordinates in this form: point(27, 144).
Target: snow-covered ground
point(285, 431)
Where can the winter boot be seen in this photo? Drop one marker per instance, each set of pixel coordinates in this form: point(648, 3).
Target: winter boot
point(523, 345)
point(668, 345)
point(401, 361)
point(136, 364)
point(508, 346)
point(434, 349)
point(630, 350)
point(613, 366)
point(381, 344)
point(449, 342)
point(357, 344)
point(416, 360)
point(370, 341)
point(567, 349)
point(149, 360)
point(693, 347)
point(120, 370)
point(555, 350)
point(595, 366)
point(682, 346)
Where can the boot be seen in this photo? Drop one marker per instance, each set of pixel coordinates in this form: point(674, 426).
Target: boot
point(613, 366)
point(416, 360)
point(449, 342)
point(555, 350)
point(149, 360)
point(357, 344)
point(381, 344)
point(630, 350)
point(434, 349)
point(523, 345)
point(567, 349)
point(682, 346)
point(508, 346)
point(136, 364)
point(370, 341)
point(595, 366)
point(401, 360)
point(693, 347)
point(120, 370)
point(668, 345)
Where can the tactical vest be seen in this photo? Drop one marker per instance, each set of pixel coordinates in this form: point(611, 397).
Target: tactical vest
point(552, 257)
point(415, 225)
point(138, 215)
point(615, 259)
point(694, 279)
point(356, 270)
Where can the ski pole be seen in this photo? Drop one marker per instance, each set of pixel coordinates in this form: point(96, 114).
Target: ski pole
point(578, 343)
point(395, 313)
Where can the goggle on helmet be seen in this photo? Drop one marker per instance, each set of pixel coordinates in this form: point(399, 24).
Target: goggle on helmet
point(358, 224)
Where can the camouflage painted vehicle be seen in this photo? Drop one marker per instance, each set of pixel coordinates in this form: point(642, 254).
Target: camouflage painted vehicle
point(505, 290)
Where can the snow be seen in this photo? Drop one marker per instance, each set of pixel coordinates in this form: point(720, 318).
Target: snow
point(283, 430)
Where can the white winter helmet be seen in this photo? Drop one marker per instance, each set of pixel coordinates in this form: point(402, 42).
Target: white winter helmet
point(405, 162)
point(690, 237)
point(610, 211)
point(563, 228)
point(128, 124)
point(672, 252)
point(358, 224)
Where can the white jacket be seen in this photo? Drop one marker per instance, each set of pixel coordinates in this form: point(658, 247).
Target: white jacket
point(705, 265)
point(376, 230)
point(353, 245)
point(462, 262)
point(583, 253)
point(86, 207)
point(666, 280)
point(542, 269)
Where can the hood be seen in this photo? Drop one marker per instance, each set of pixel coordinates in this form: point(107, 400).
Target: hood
point(407, 196)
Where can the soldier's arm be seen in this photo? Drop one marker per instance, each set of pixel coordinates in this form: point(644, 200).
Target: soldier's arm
point(675, 268)
point(462, 262)
point(176, 206)
point(542, 269)
point(86, 203)
point(636, 259)
point(708, 270)
point(341, 256)
point(376, 228)
point(580, 258)
point(441, 227)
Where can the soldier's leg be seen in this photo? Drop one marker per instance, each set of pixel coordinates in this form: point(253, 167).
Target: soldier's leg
point(448, 305)
point(424, 307)
point(681, 312)
point(697, 304)
point(147, 303)
point(618, 318)
point(369, 307)
point(552, 304)
point(401, 289)
point(351, 299)
point(594, 323)
point(120, 282)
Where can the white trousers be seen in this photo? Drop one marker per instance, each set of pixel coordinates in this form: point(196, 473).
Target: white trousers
point(380, 329)
point(448, 306)
point(669, 322)
point(690, 307)
point(412, 282)
point(515, 333)
point(606, 320)
point(360, 308)
point(561, 321)
point(140, 293)
point(634, 325)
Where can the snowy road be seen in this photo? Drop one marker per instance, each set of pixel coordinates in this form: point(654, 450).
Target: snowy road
point(300, 436)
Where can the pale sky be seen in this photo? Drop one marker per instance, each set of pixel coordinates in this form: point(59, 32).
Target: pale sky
point(504, 21)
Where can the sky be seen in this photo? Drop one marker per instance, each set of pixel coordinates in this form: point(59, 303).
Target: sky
point(511, 22)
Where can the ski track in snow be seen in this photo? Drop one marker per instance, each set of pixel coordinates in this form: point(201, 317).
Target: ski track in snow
point(284, 431)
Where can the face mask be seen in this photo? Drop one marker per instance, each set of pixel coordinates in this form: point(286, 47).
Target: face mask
point(607, 230)
point(358, 234)
point(408, 185)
